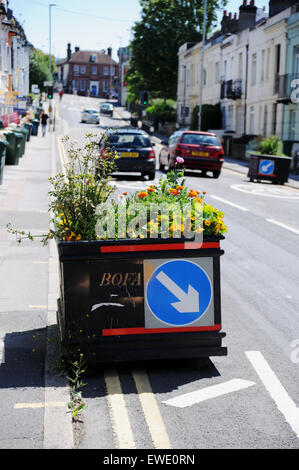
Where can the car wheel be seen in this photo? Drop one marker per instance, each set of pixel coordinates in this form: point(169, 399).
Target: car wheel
point(216, 174)
point(151, 175)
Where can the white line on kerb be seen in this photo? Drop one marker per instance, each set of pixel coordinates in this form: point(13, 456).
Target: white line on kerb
point(278, 393)
point(280, 224)
point(241, 208)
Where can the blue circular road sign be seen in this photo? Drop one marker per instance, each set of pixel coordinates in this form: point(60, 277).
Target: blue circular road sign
point(179, 292)
point(266, 167)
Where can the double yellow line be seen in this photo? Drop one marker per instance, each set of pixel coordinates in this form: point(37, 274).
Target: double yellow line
point(119, 413)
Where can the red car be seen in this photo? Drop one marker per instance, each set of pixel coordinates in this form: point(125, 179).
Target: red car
point(200, 151)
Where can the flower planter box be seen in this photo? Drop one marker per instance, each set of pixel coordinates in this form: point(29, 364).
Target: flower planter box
point(273, 168)
point(131, 299)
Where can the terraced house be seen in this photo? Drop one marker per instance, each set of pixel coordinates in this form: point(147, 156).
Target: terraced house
point(88, 73)
point(244, 66)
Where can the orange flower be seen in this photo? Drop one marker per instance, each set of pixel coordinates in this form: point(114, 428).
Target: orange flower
point(198, 199)
point(192, 193)
point(151, 190)
point(180, 187)
point(125, 193)
point(173, 191)
point(142, 194)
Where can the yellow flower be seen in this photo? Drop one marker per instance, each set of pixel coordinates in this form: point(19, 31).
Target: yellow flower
point(208, 222)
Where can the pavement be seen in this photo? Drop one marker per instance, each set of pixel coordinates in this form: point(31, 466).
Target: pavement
point(33, 393)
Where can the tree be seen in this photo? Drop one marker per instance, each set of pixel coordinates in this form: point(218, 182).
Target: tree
point(164, 26)
point(39, 68)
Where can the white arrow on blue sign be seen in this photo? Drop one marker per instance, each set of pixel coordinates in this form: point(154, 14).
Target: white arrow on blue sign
point(266, 167)
point(179, 292)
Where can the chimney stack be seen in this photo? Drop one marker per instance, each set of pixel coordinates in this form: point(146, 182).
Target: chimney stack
point(229, 24)
point(247, 16)
point(69, 51)
point(77, 49)
point(109, 50)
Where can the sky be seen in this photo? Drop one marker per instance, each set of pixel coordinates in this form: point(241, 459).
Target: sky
point(89, 24)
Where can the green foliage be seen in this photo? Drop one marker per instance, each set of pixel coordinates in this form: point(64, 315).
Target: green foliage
point(211, 117)
point(39, 68)
point(163, 111)
point(164, 26)
point(272, 145)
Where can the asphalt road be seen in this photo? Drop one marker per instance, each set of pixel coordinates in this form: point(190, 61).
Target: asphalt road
point(248, 399)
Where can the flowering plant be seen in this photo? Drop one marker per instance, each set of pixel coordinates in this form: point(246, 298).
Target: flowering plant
point(168, 209)
point(76, 192)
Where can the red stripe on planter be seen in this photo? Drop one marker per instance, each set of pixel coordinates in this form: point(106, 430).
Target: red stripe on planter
point(146, 331)
point(159, 247)
point(270, 176)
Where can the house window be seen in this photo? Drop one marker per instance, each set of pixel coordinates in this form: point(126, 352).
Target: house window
point(94, 70)
point(106, 70)
point(268, 64)
point(274, 118)
point(277, 59)
point(76, 70)
point(263, 66)
point(105, 86)
point(204, 77)
point(93, 58)
point(217, 72)
point(253, 70)
point(265, 121)
point(75, 85)
point(82, 85)
point(240, 71)
point(82, 69)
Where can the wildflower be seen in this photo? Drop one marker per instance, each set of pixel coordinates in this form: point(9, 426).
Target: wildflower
point(180, 160)
point(192, 193)
point(198, 199)
point(208, 222)
point(142, 194)
point(150, 190)
point(180, 187)
point(173, 191)
point(125, 193)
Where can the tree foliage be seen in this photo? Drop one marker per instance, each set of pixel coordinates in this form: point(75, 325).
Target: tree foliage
point(39, 68)
point(164, 26)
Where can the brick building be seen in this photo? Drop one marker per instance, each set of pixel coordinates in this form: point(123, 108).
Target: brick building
point(86, 73)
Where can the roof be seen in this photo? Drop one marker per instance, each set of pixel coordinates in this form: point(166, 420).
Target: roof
point(84, 57)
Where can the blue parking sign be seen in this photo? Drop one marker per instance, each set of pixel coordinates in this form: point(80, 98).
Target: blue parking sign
point(178, 292)
point(266, 167)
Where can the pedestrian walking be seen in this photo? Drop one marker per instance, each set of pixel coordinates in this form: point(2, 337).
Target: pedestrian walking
point(61, 94)
point(44, 118)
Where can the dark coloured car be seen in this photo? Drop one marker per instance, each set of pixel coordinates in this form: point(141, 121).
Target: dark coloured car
point(135, 151)
point(200, 151)
point(107, 108)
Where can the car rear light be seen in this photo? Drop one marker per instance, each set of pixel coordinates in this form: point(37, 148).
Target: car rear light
point(220, 154)
point(181, 151)
point(151, 155)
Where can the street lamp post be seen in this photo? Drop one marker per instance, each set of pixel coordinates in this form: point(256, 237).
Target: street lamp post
point(202, 64)
point(50, 39)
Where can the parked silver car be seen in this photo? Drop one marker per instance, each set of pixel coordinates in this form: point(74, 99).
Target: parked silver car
point(90, 116)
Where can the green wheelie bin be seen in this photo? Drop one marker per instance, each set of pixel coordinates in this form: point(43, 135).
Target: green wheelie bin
point(3, 147)
point(28, 126)
point(22, 131)
point(12, 153)
point(35, 124)
point(19, 142)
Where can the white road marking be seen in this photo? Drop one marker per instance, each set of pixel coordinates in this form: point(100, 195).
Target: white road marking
point(278, 393)
point(118, 411)
point(151, 410)
point(55, 404)
point(280, 224)
point(241, 208)
point(191, 398)
point(267, 190)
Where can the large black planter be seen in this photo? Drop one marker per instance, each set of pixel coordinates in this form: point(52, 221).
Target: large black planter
point(114, 306)
point(273, 168)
